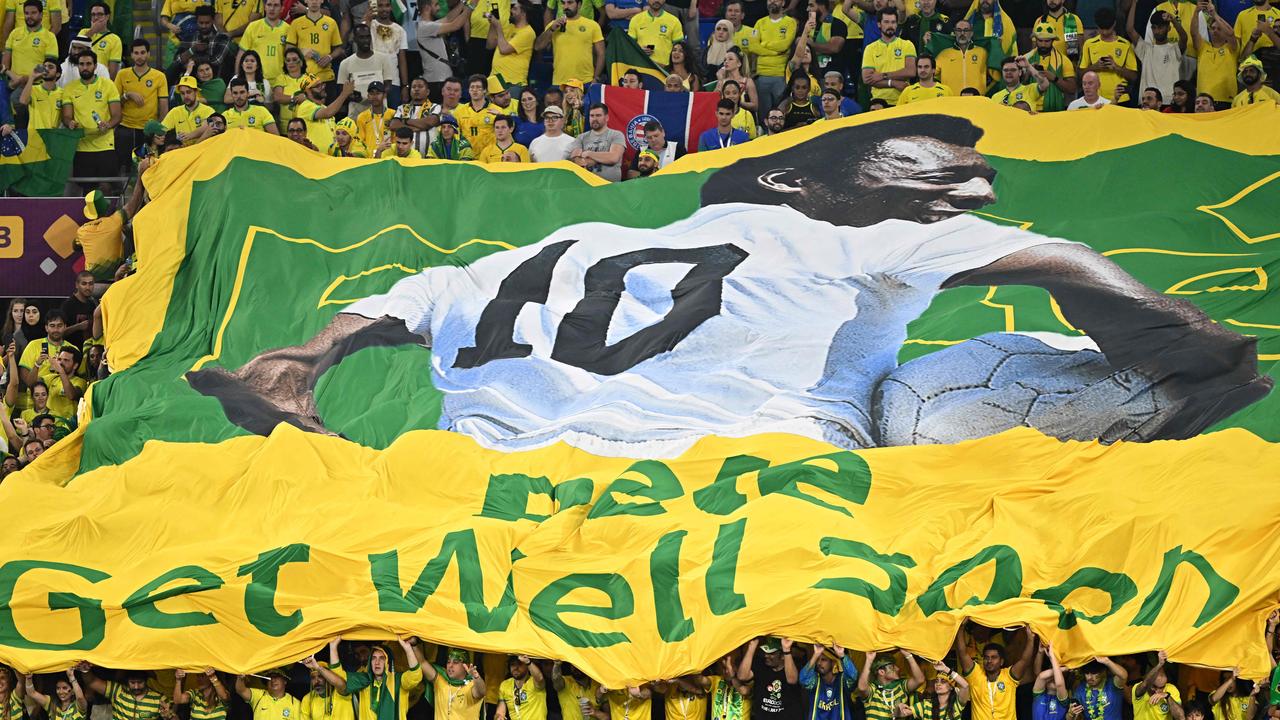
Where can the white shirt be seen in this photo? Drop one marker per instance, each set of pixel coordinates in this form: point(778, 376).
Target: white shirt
point(1080, 103)
point(550, 149)
point(1161, 66)
point(389, 39)
point(806, 321)
point(362, 71)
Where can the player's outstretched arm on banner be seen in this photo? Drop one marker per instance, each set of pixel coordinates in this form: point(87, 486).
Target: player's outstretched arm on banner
point(1020, 666)
point(1195, 360)
point(278, 386)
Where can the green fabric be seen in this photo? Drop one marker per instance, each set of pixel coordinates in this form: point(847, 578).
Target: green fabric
point(43, 177)
point(1053, 98)
point(1275, 686)
point(622, 52)
point(384, 695)
point(445, 676)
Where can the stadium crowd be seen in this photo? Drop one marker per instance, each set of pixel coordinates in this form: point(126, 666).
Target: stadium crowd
point(997, 675)
point(504, 80)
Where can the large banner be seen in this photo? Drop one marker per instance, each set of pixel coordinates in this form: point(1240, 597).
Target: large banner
point(852, 383)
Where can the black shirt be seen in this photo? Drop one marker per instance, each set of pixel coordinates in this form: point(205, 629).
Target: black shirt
point(772, 697)
point(77, 312)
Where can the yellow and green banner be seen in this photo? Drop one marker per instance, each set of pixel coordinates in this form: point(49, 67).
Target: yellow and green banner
point(852, 383)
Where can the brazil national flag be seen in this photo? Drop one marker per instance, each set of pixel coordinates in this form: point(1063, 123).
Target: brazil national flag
point(851, 383)
point(622, 53)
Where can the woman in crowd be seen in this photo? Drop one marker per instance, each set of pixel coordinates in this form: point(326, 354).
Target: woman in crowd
point(733, 69)
point(209, 699)
point(685, 64)
point(529, 125)
point(799, 108)
point(250, 70)
point(66, 703)
point(212, 88)
point(288, 82)
point(1183, 99)
point(1234, 698)
point(718, 46)
point(31, 329)
point(12, 320)
point(945, 697)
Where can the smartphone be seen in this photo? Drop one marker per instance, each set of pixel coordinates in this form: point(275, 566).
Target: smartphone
point(650, 47)
point(1262, 19)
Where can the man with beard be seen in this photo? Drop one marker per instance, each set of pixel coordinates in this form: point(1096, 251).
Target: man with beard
point(459, 689)
point(775, 680)
point(927, 87)
point(884, 693)
point(308, 104)
point(130, 700)
point(92, 103)
point(144, 96)
point(830, 679)
point(188, 119)
point(29, 45)
point(646, 163)
point(1251, 77)
point(992, 686)
point(771, 44)
point(266, 36)
point(1020, 83)
point(416, 115)
point(577, 46)
point(882, 211)
point(601, 148)
point(243, 115)
point(575, 691)
point(324, 702)
point(297, 132)
point(381, 692)
point(889, 63)
point(964, 64)
point(1056, 66)
point(523, 696)
point(1067, 28)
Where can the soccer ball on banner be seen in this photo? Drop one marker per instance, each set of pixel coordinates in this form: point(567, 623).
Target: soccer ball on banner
point(1000, 381)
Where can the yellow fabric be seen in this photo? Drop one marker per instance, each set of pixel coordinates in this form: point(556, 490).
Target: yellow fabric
point(413, 155)
point(887, 57)
point(1028, 93)
point(960, 70)
point(236, 13)
point(476, 126)
point(92, 102)
point(371, 127)
point(573, 53)
point(253, 117)
point(28, 49)
point(151, 85)
point(917, 93)
point(771, 44)
point(45, 108)
point(107, 47)
point(185, 121)
point(530, 701)
point(623, 706)
point(102, 240)
point(661, 32)
point(991, 700)
point(320, 35)
point(455, 702)
point(1143, 709)
point(331, 706)
point(269, 43)
point(265, 707)
point(1216, 72)
point(514, 68)
point(493, 668)
point(493, 154)
point(1263, 94)
point(1120, 51)
point(989, 492)
point(681, 705)
point(1247, 20)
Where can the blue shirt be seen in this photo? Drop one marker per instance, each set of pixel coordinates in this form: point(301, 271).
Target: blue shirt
point(1105, 703)
point(824, 701)
point(527, 131)
point(621, 5)
point(713, 140)
point(1048, 707)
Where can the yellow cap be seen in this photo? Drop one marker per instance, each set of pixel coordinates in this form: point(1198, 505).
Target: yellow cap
point(1253, 61)
point(495, 85)
point(573, 83)
point(1045, 31)
point(188, 81)
point(307, 81)
point(347, 124)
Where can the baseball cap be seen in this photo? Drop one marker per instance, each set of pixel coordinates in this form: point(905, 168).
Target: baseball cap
point(1045, 31)
point(447, 119)
point(553, 110)
point(771, 645)
point(376, 86)
point(188, 81)
point(573, 83)
point(881, 662)
point(305, 83)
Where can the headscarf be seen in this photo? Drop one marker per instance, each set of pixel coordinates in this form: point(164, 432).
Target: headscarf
point(716, 49)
